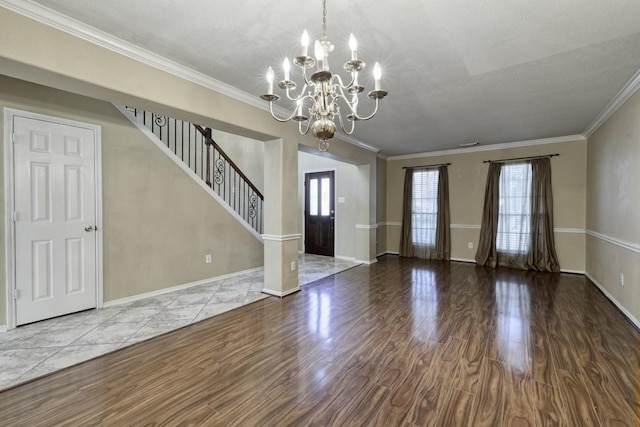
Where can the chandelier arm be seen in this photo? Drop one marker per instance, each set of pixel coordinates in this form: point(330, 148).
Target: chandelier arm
point(342, 85)
point(344, 130)
point(342, 96)
point(299, 96)
point(307, 82)
point(306, 131)
point(293, 113)
point(357, 116)
point(375, 110)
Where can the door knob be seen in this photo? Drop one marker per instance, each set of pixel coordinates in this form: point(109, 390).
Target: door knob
point(88, 228)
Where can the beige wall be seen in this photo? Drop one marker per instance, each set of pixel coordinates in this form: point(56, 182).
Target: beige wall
point(42, 54)
point(158, 224)
point(613, 207)
point(345, 224)
point(247, 153)
point(467, 179)
point(381, 207)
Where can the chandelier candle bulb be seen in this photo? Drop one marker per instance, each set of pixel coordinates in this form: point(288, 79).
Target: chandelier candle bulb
point(353, 45)
point(320, 56)
point(305, 43)
point(377, 74)
point(270, 80)
point(286, 66)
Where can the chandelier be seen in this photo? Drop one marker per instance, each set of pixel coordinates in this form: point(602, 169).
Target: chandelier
point(323, 93)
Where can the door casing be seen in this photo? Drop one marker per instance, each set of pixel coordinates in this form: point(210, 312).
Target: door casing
point(333, 202)
point(9, 189)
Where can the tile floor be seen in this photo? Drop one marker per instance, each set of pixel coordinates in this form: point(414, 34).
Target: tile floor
point(37, 349)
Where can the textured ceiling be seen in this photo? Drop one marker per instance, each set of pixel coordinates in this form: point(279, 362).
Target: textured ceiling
point(457, 71)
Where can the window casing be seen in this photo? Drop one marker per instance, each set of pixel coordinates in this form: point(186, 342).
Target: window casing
point(514, 211)
point(424, 209)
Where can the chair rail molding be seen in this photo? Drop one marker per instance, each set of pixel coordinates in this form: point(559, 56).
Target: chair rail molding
point(633, 247)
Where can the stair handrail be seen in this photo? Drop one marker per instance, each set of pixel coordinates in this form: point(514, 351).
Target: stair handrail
point(207, 134)
point(191, 143)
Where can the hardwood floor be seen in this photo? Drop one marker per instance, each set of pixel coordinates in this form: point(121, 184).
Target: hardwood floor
point(399, 343)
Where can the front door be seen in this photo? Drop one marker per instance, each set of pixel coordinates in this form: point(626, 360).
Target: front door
point(319, 213)
point(55, 218)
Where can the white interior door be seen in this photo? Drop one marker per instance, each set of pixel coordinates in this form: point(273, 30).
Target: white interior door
point(55, 218)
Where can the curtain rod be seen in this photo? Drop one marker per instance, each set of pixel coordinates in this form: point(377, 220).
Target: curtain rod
point(426, 166)
point(520, 158)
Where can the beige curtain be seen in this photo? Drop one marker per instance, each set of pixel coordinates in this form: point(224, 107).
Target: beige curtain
point(406, 247)
point(443, 231)
point(442, 248)
point(542, 254)
point(487, 254)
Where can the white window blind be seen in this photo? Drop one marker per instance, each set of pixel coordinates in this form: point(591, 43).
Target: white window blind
point(514, 211)
point(424, 209)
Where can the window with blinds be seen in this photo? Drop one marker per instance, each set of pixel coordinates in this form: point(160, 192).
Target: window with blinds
point(424, 210)
point(514, 211)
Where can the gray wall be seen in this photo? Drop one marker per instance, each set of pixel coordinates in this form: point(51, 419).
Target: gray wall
point(613, 207)
point(344, 188)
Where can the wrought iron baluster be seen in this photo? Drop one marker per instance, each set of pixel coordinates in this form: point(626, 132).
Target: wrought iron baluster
point(219, 172)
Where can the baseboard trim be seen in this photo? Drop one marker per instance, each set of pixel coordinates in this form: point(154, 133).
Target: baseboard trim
point(345, 258)
point(564, 270)
point(280, 294)
point(3, 328)
point(368, 262)
point(606, 293)
point(134, 298)
point(472, 261)
point(386, 253)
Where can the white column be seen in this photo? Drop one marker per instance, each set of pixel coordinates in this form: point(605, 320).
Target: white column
point(281, 217)
point(366, 214)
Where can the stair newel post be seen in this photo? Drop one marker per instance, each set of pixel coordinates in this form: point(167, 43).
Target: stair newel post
point(209, 141)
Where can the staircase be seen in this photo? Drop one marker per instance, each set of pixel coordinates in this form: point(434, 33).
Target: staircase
point(195, 147)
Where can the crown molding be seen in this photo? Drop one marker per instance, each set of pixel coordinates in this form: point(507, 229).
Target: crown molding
point(357, 142)
point(108, 41)
point(621, 97)
point(492, 147)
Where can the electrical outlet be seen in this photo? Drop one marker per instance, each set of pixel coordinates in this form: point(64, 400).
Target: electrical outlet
point(207, 259)
point(621, 279)
point(470, 245)
point(293, 266)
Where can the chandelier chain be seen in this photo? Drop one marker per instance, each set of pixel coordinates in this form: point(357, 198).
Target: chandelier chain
point(324, 19)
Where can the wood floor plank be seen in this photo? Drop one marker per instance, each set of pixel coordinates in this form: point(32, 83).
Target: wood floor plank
point(576, 400)
point(403, 342)
point(456, 410)
point(488, 405)
point(547, 406)
point(518, 408)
